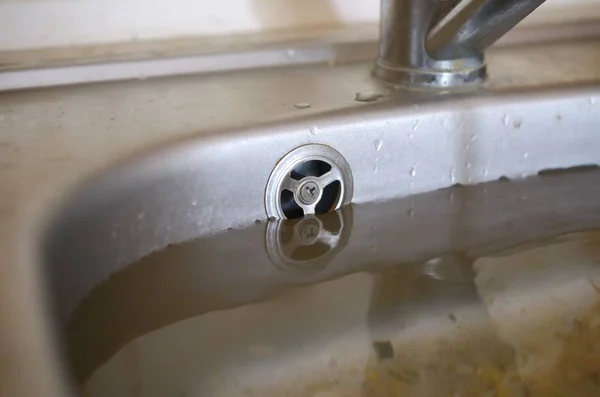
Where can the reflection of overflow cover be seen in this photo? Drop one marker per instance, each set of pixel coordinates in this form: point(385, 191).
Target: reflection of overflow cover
point(312, 179)
point(309, 244)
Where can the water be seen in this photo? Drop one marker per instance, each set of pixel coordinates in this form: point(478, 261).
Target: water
point(482, 295)
point(378, 144)
point(413, 170)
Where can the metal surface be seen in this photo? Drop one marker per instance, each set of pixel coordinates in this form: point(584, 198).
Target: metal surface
point(476, 26)
point(434, 43)
point(403, 59)
point(97, 177)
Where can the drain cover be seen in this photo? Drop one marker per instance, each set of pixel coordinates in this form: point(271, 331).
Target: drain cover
point(312, 179)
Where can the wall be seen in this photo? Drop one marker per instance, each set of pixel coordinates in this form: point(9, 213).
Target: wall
point(29, 24)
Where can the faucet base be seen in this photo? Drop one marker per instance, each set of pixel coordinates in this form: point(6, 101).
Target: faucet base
point(442, 74)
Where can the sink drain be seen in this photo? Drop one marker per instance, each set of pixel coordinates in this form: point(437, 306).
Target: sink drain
point(312, 179)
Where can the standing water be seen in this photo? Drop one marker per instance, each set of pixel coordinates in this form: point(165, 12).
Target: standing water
point(488, 290)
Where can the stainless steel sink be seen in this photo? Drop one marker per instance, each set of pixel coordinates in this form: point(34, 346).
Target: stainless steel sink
point(246, 312)
point(232, 312)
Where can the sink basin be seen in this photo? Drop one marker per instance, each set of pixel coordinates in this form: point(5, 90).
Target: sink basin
point(205, 296)
point(312, 328)
point(249, 305)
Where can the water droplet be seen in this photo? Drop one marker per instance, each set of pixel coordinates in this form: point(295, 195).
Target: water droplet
point(141, 216)
point(469, 165)
point(526, 155)
point(302, 105)
point(290, 52)
point(485, 172)
point(592, 101)
point(453, 175)
point(360, 97)
point(505, 119)
point(411, 213)
point(314, 130)
point(473, 137)
point(378, 144)
point(413, 170)
point(415, 125)
point(558, 117)
point(376, 165)
point(410, 135)
point(194, 203)
point(518, 123)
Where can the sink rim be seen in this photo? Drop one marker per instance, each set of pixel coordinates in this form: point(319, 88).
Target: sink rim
point(198, 198)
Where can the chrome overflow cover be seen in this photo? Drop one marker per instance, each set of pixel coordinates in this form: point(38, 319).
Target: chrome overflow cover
point(312, 179)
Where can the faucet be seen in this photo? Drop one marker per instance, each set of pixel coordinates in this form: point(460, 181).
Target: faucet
point(441, 43)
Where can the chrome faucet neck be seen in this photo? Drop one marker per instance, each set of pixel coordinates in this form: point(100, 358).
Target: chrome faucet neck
point(441, 43)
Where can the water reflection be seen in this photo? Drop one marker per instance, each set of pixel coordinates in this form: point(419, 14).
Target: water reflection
point(215, 273)
point(308, 244)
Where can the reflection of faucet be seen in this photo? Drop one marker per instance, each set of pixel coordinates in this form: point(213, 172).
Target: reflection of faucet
point(440, 43)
